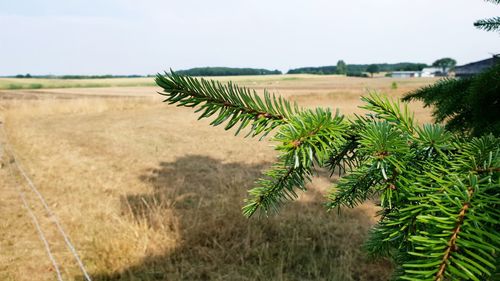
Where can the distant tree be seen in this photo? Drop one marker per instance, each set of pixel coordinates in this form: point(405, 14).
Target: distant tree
point(27, 75)
point(341, 67)
point(445, 64)
point(372, 68)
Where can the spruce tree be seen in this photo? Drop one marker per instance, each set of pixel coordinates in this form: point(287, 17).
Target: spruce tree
point(438, 191)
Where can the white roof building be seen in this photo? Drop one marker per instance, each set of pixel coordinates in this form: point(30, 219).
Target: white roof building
point(430, 71)
point(405, 74)
point(426, 72)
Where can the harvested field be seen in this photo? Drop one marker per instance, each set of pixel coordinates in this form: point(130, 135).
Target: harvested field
point(147, 192)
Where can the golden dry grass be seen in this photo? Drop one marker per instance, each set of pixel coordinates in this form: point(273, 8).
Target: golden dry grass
point(147, 192)
point(38, 83)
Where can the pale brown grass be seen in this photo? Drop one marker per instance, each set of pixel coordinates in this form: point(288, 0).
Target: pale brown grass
point(147, 192)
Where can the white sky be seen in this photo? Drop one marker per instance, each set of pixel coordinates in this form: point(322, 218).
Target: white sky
point(146, 37)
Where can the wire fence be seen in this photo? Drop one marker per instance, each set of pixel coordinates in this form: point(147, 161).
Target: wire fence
point(40, 233)
point(15, 161)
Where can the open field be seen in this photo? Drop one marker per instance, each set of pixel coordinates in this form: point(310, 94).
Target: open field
point(42, 83)
point(147, 192)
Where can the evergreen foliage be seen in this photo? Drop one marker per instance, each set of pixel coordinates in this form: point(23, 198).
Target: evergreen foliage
point(491, 24)
point(438, 191)
point(230, 102)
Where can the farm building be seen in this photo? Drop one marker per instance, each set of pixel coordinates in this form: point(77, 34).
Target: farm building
point(431, 72)
point(426, 72)
point(405, 74)
point(477, 67)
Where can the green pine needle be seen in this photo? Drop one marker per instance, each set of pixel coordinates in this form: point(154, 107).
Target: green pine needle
point(230, 103)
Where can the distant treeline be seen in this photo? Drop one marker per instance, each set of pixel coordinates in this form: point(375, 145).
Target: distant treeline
point(76, 76)
point(356, 69)
point(348, 69)
point(226, 71)
point(98, 76)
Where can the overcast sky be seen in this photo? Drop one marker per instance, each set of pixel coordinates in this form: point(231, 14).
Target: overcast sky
point(148, 36)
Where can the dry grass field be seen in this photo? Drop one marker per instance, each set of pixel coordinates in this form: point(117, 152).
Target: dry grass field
point(39, 83)
point(147, 192)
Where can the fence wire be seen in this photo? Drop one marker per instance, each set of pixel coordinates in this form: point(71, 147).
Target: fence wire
point(49, 212)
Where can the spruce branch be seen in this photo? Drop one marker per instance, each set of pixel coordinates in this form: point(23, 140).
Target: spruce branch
point(490, 24)
point(386, 150)
point(237, 105)
point(452, 242)
point(433, 138)
point(345, 158)
point(481, 155)
point(305, 140)
point(311, 135)
point(390, 111)
point(457, 233)
point(354, 188)
point(277, 185)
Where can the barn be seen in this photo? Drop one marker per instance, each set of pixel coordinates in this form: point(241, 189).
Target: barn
point(477, 67)
point(405, 74)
